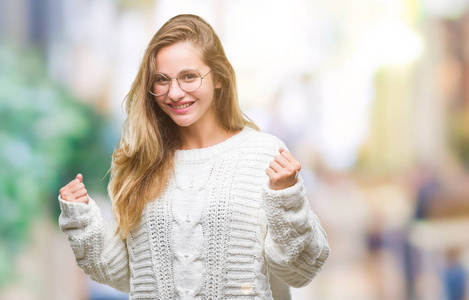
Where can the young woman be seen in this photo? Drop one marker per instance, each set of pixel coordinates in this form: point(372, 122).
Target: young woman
point(206, 206)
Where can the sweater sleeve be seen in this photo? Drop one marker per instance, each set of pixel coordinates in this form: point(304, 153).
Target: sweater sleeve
point(296, 245)
point(98, 251)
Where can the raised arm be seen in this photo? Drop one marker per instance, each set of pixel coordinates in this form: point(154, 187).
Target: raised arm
point(98, 251)
point(296, 245)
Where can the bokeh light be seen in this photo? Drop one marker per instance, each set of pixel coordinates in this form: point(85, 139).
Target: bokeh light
point(372, 96)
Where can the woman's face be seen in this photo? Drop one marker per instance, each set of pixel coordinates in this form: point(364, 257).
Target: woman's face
point(186, 108)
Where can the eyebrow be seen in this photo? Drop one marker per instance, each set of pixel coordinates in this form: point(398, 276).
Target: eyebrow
point(185, 69)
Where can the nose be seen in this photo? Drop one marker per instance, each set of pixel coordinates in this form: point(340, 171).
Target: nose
point(175, 92)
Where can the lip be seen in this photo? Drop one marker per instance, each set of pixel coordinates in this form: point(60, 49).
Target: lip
point(180, 110)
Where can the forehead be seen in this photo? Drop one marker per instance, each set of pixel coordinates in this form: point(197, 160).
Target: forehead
point(172, 59)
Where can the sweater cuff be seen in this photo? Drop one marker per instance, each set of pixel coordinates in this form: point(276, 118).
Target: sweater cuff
point(288, 198)
point(77, 215)
point(287, 210)
point(72, 209)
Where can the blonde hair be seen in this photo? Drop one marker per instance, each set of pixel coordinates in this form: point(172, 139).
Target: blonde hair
point(143, 160)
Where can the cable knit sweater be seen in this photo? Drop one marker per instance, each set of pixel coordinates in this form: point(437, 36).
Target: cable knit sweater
point(216, 232)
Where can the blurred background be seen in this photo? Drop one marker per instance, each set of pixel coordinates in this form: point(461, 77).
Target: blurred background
point(372, 96)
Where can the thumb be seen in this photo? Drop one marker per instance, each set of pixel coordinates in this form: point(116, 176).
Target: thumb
point(80, 177)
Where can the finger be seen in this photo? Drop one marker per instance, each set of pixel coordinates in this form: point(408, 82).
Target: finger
point(80, 193)
point(79, 177)
point(68, 197)
point(275, 166)
point(292, 160)
point(64, 197)
point(83, 199)
point(271, 173)
point(76, 187)
point(72, 187)
point(74, 181)
point(283, 162)
point(69, 186)
point(287, 155)
point(72, 197)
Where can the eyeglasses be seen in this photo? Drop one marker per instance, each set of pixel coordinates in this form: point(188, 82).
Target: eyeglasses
point(189, 80)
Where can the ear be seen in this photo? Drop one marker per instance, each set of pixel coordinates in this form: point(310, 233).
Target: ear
point(218, 85)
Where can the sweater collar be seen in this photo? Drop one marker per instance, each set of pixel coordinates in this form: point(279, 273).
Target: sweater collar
point(206, 153)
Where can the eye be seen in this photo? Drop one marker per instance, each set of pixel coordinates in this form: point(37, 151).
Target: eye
point(161, 79)
point(188, 76)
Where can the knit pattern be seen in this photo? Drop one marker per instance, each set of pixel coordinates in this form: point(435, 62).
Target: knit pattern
point(216, 227)
point(143, 284)
point(216, 232)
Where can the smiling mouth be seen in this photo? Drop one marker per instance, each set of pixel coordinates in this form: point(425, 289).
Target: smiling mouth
point(182, 106)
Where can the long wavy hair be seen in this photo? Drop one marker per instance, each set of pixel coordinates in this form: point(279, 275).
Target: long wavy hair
point(143, 160)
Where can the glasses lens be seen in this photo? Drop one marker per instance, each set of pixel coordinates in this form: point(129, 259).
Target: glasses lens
point(161, 85)
point(189, 80)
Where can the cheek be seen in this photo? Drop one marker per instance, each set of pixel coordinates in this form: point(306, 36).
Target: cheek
point(159, 101)
point(205, 97)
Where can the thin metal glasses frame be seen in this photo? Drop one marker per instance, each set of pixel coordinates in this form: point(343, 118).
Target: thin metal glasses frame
point(170, 79)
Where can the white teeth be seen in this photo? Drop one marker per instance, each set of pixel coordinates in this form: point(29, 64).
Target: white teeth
point(182, 106)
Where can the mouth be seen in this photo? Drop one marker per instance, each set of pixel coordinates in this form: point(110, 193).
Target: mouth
point(181, 106)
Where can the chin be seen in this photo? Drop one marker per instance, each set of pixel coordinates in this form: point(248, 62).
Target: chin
point(183, 123)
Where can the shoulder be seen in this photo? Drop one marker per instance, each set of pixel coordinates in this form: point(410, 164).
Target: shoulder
point(262, 142)
point(263, 138)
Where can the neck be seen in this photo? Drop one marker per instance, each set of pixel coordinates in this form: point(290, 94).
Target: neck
point(193, 137)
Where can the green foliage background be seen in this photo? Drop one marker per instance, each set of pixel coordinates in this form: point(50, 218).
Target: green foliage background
point(46, 138)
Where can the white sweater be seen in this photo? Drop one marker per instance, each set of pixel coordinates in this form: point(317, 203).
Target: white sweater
point(216, 232)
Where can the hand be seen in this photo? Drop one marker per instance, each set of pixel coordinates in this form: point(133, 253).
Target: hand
point(283, 171)
point(75, 191)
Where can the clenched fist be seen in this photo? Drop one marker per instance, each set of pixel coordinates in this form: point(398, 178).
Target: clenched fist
point(75, 191)
point(283, 171)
